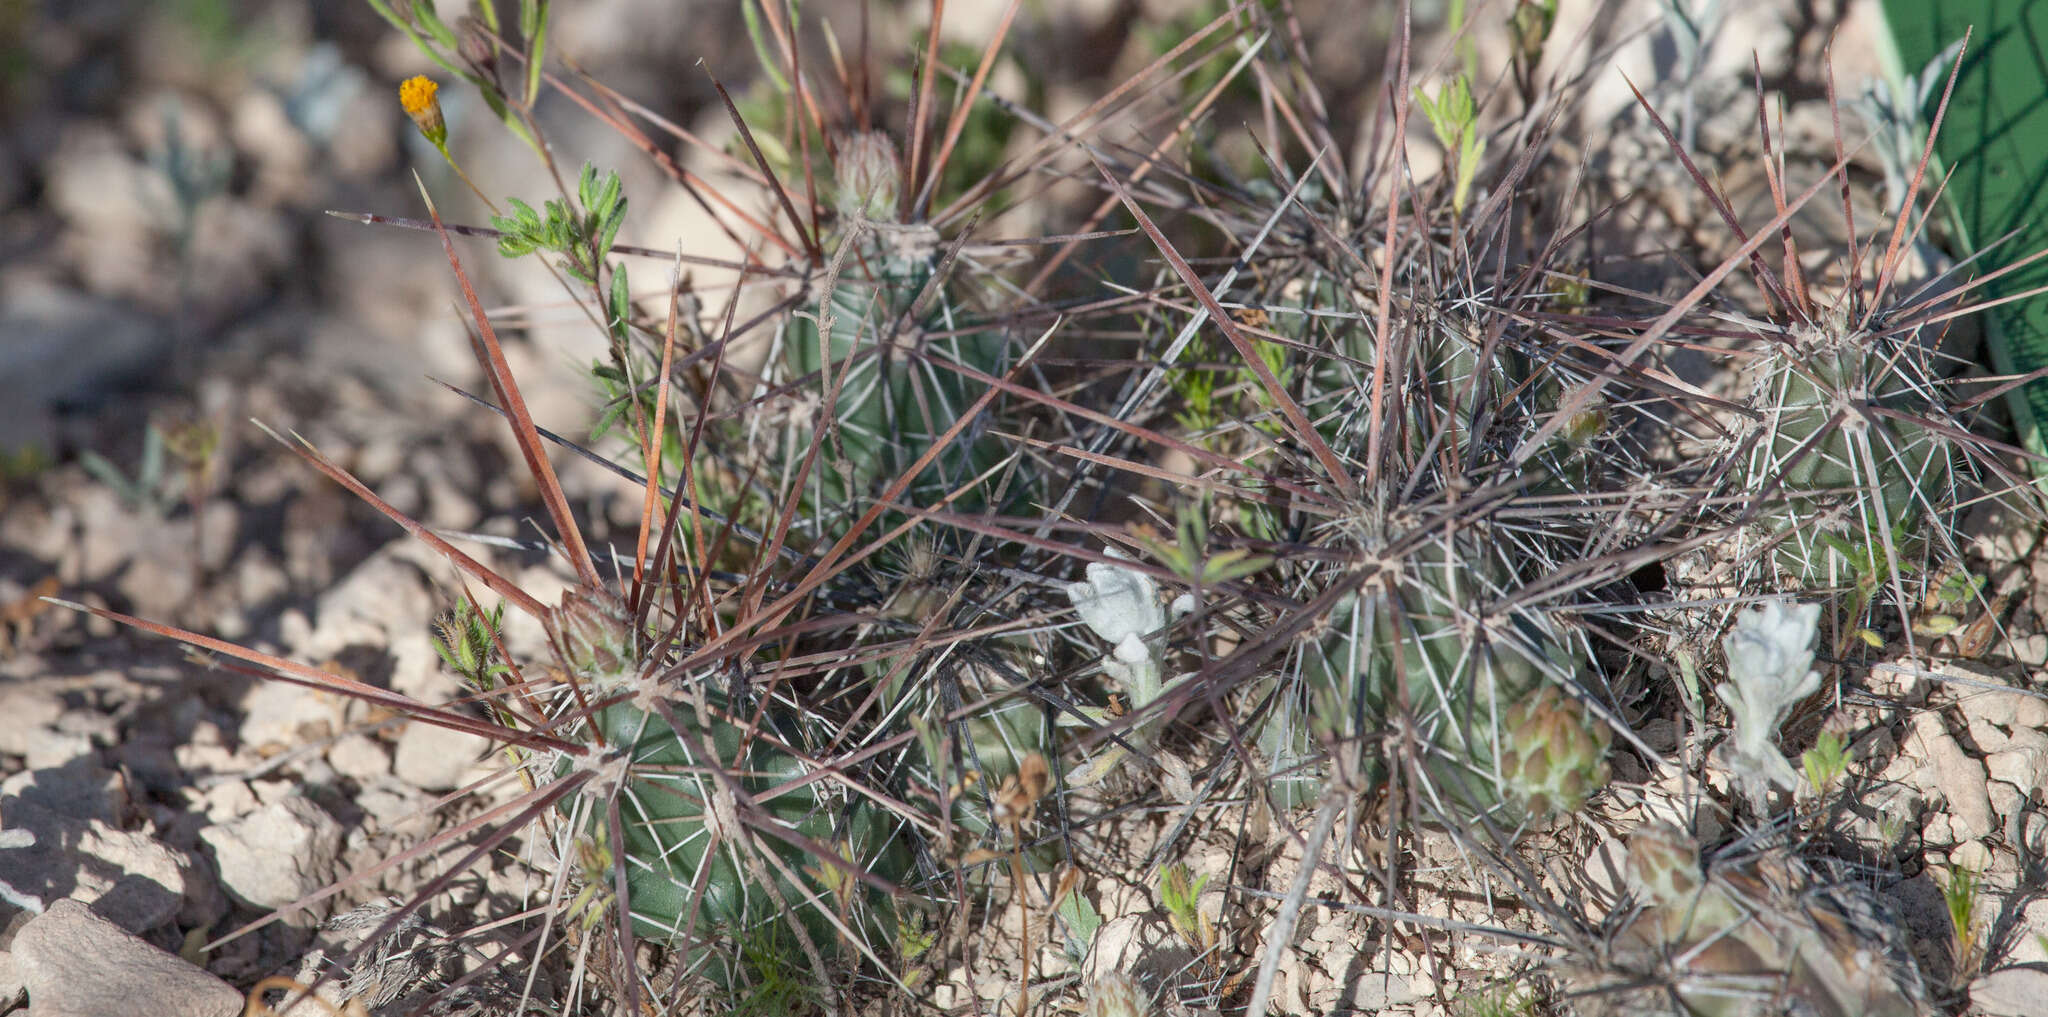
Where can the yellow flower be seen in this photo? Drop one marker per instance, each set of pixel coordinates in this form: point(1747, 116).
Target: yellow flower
point(418, 96)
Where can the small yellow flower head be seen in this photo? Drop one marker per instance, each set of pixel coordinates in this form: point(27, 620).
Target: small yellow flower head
point(418, 96)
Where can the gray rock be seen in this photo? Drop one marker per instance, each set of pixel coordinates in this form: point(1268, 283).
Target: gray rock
point(77, 964)
point(128, 878)
point(276, 855)
point(1368, 989)
point(278, 717)
point(2030, 941)
point(435, 758)
point(43, 326)
point(1958, 777)
point(1141, 945)
point(27, 710)
point(80, 788)
point(48, 748)
point(390, 802)
point(359, 758)
point(2020, 991)
point(386, 602)
point(2023, 763)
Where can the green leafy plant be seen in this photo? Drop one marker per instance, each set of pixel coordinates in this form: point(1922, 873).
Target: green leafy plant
point(583, 238)
point(1180, 893)
point(1455, 119)
point(1082, 923)
point(147, 489)
point(1825, 762)
point(1963, 893)
point(1190, 555)
point(467, 641)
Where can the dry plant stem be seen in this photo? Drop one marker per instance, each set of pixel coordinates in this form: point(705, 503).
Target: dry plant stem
point(1569, 407)
point(1280, 936)
point(927, 77)
point(1304, 431)
point(650, 431)
point(1151, 159)
point(796, 220)
point(1384, 339)
point(1023, 923)
point(296, 995)
point(515, 404)
point(958, 122)
point(628, 250)
point(1068, 130)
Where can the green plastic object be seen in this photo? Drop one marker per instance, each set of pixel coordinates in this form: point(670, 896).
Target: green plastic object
point(1995, 140)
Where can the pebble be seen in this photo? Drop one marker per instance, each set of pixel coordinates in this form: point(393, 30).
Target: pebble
point(1998, 533)
point(2030, 944)
point(2011, 992)
point(1142, 945)
point(28, 710)
point(2023, 763)
point(2010, 710)
point(2031, 650)
point(276, 855)
point(2034, 838)
point(1958, 777)
point(48, 748)
point(2009, 802)
point(435, 758)
point(385, 603)
point(278, 717)
point(359, 758)
point(1970, 856)
point(75, 963)
point(1938, 830)
point(390, 803)
point(128, 877)
point(1391, 982)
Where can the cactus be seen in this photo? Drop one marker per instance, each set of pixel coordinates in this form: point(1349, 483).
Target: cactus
point(1850, 444)
point(1116, 994)
point(888, 321)
point(689, 883)
point(1756, 937)
point(1441, 634)
point(1483, 692)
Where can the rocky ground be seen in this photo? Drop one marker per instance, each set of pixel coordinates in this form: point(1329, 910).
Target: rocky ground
point(165, 270)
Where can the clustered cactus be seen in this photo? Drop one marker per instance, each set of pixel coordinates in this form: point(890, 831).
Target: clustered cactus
point(1758, 935)
point(1442, 638)
point(1429, 487)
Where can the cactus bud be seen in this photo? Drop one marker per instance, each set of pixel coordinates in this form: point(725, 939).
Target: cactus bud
point(866, 174)
point(1552, 755)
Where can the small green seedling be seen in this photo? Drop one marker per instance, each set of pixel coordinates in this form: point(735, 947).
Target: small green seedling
point(1498, 1002)
point(1180, 893)
point(1689, 688)
point(1188, 556)
point(467, 641)
point(1082, 923)
point(1869, 562)
point(1826, 761)
point(147, 489)
point(1963, 892)
point(915, 937)
point(1455, 119)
